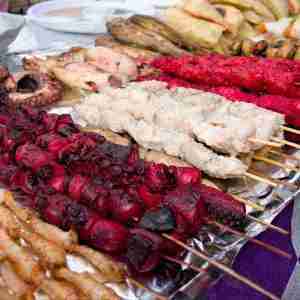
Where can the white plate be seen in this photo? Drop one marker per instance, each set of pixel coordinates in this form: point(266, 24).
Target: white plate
point(84, 16)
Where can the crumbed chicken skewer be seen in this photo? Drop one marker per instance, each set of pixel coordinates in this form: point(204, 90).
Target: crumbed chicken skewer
point(223, 125)
point(171, 128)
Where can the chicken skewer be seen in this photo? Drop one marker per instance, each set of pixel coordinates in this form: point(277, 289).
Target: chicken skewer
point(169, 125)
point(159, 157)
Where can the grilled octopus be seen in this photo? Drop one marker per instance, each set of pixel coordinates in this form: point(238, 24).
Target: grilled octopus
point(32, 88)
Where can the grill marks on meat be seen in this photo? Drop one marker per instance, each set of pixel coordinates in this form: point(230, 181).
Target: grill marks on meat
point(174, 121)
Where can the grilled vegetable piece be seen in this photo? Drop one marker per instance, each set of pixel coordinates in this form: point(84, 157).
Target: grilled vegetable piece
point(157, 26)
point(127, 32)
point(204, 10)
point(196, 33)
point(232, 16)
point(279, 8)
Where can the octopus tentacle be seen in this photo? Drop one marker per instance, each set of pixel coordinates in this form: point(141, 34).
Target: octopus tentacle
point(35, 89)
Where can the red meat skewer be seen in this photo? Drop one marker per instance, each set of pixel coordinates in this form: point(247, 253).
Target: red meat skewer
point(274, 77)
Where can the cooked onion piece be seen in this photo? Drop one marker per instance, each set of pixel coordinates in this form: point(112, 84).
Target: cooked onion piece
point(23, 261)
point(87, 285)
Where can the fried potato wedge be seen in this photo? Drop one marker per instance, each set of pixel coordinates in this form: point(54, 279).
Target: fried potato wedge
point(112, 271)
point(47, 231)
point(204, 10)
point(87, 285)
point(197, 33)
point(279, 8)
point(23, 261)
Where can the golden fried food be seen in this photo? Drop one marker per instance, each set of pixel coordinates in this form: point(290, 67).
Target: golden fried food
point(12, 280)
point(127, 32)
point(53, 256)
point(87, 285)
point(47, 231)
point(196, 33)
point(112, 271)
point(59, 290)
point(23, 261)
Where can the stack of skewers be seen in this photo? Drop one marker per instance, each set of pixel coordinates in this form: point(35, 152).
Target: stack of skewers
point(117, 202)
point(120, 203)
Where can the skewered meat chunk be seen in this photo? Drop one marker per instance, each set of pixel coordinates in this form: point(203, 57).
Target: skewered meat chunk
point(174, 118)
point(76, 197)
point(275, 77)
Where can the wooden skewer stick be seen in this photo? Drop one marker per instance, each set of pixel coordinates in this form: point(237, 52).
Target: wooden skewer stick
point(267, 143)
point(261, 179)
point(252, 240)
point(284, 142)
point(283, 155)
point(183, 263)
point(222, 267)
point(270, 226)
point(249, 203)
point(141, 286)
point(292, 130)
point(275, 163)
